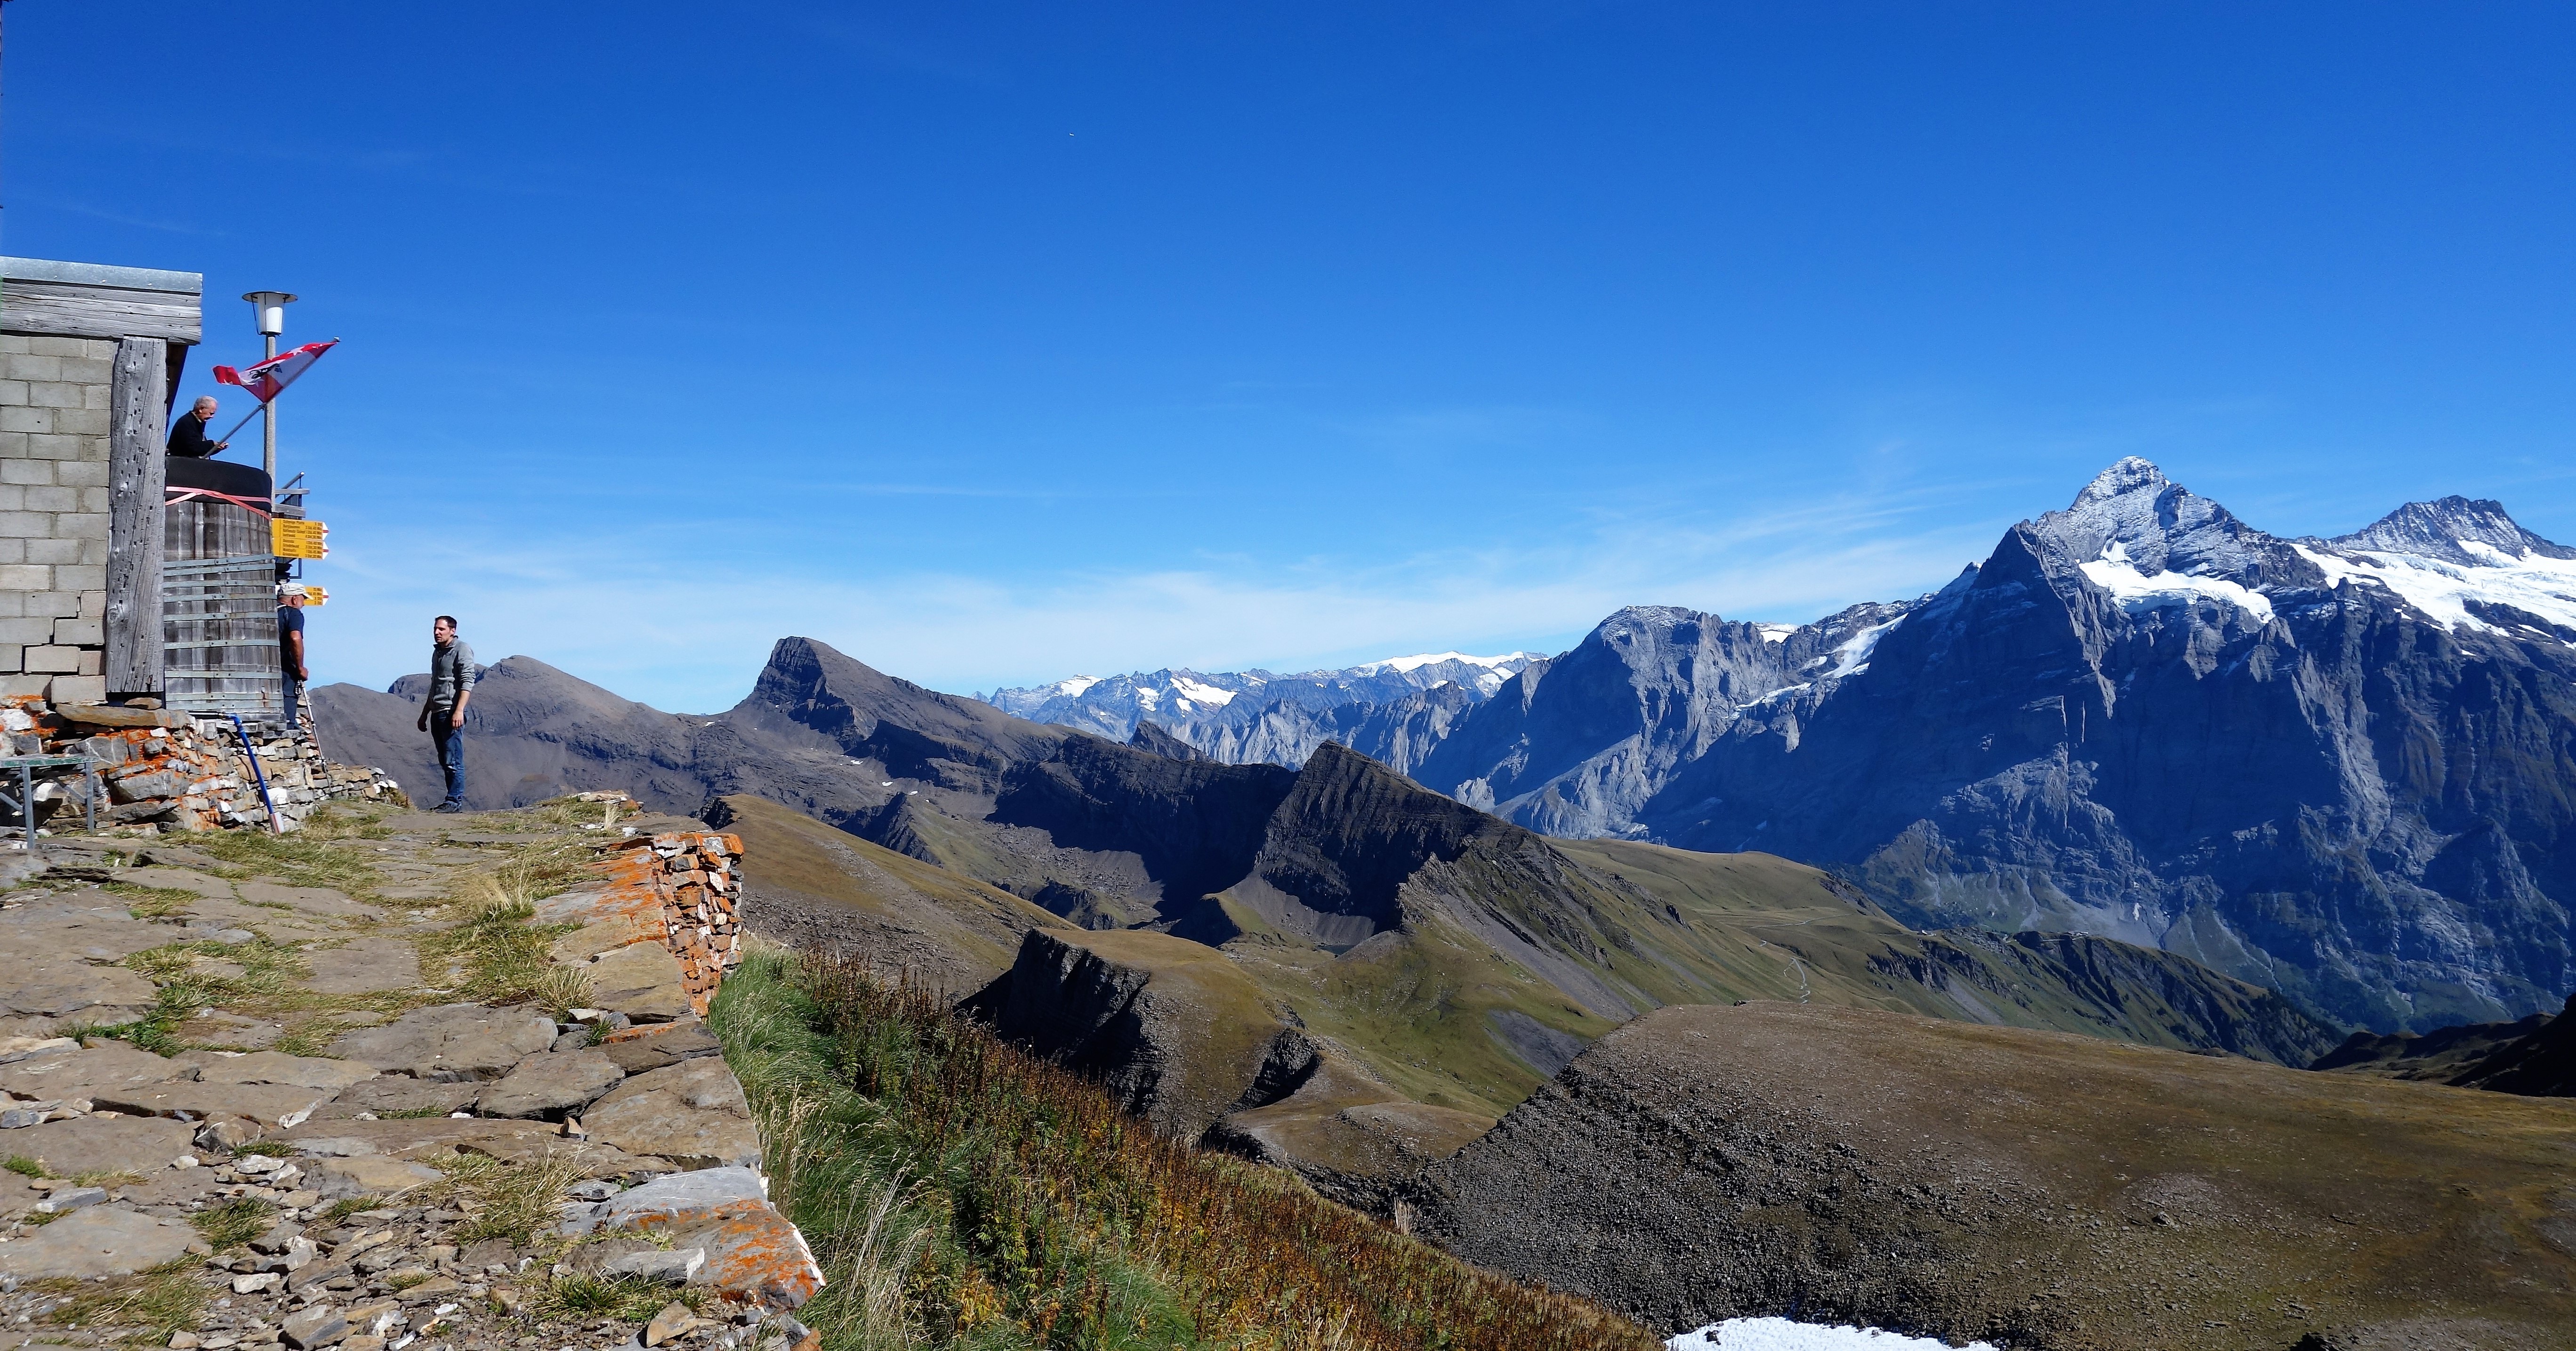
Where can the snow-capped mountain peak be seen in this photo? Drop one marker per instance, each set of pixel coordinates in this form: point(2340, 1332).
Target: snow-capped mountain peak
point(2447, 529)
point(2128, 476)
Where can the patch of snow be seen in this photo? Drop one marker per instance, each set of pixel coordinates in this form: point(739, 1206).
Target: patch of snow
point(1072, 689)
point(1780, 1334)
point(1209, 695)
point(1425, 659)
point(1785, 689)
point(1776, 633)
point(2137, 592)
point(1852, 657)
point(2543, 585)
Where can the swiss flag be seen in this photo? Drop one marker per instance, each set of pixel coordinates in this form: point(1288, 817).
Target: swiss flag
point(270, 378)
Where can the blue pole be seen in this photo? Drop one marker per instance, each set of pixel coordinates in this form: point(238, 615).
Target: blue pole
point(251, 753)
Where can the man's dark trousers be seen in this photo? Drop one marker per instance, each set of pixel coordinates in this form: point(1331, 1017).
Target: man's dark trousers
point(446, 733)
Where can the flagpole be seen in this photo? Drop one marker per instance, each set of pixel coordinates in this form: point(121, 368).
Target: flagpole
point(246, 417)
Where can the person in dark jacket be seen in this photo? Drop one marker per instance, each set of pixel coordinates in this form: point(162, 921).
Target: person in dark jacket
point(188, 433)
point(442, 714)
point(290, 649)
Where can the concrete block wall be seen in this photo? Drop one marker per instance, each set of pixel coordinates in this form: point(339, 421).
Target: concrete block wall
point(53, 516)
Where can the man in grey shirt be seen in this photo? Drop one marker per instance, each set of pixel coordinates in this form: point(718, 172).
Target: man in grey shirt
point(451, 684)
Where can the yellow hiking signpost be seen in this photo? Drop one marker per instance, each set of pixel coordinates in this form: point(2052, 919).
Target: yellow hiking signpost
point(298, 539)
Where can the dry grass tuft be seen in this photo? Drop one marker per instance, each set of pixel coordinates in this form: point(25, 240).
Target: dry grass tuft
point(506, 1200)
point(149, 1305)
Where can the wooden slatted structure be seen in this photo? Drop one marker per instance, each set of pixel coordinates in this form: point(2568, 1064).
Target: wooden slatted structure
point(219, 594)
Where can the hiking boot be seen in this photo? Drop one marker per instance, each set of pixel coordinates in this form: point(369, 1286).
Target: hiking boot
point(448, 808)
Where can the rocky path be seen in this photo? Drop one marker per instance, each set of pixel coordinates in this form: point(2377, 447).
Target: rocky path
point(397, 1081)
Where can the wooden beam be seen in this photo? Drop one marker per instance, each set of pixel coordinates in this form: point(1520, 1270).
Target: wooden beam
point(137, 405)
point(53, 309)
point(178, 367)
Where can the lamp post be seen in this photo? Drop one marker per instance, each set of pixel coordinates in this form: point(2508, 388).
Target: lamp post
point(271, 308)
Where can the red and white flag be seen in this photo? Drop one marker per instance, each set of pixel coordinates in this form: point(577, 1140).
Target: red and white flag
point(270, 378)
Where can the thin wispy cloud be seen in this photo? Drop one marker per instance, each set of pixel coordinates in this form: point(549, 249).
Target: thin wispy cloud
point(692, 636)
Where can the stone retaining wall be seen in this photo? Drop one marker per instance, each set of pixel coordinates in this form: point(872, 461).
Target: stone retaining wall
point(165, 771)
point(677, 889)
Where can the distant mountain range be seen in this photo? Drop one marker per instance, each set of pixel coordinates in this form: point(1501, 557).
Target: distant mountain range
point(1456, 957)
point(2341, 768)
point(1256, 717)
point(2345, 767)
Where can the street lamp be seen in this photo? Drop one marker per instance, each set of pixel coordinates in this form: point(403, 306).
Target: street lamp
point(270, 306)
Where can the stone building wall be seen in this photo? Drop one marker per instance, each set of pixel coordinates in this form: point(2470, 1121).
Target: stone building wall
point(53, 515)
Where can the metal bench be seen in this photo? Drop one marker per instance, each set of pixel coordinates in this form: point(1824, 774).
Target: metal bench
point(26, 767)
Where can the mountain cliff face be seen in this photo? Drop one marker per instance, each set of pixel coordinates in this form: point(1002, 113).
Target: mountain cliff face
point(2343, 768)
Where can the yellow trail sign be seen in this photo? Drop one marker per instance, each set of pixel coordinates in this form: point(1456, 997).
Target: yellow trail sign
point(298, 539)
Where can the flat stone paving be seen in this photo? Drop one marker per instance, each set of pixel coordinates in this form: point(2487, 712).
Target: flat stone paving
point(119, 1155)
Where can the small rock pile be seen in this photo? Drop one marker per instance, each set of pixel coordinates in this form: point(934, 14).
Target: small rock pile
point(166, 771)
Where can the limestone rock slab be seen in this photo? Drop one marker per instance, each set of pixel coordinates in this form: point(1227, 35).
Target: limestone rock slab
point(364, 967)
point(310, 900)
point(96, 933)
point(755, 1255)
point(692, 1113)
point(277, 1067)
point(638, 1050)
point(683, 1198)
point(67, 1073)
point(91, 1144)
point(280, 1105)
point(550, 1085)
point(70, 988)
point(225, 913)
point(399, 1094)
point(607, 935)
point(179, 879)
point(451, 1041)
point(419, 1136)
point(641, 980)
point(365, 1175)
point(98, 1241)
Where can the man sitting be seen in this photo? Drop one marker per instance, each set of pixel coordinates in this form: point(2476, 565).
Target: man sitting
point(188, 433)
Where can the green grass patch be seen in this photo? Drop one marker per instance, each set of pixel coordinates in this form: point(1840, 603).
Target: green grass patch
point(316, 855)
point(234, 1223)
point(24, 1166)
point(186, 978)
point(962, 1194)
point(342, 1209)
point(152, 902)
point(582, 1295)
point(275, 1149)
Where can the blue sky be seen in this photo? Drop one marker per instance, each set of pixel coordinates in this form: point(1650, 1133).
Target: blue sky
point(993, 343)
